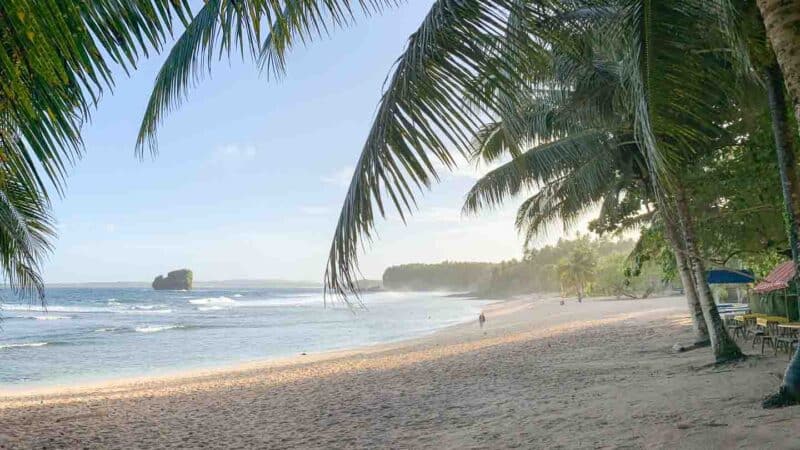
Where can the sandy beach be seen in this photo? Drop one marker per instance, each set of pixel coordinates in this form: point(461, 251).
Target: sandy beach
point(600, 374)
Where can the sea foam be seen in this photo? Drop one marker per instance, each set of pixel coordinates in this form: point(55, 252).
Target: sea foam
point(213, 301)
point(156, 328)
point(31, 344)
point(210, 308)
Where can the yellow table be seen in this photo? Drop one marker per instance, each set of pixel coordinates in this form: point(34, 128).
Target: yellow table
point(752, 315)
point(763, 321)
point(744, 317)
point(791, 329)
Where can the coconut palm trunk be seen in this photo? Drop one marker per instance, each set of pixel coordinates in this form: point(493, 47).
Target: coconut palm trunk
point(782, 22)
point(723, 346)
point(789, 392)
point(784, 148)
point(689, 288)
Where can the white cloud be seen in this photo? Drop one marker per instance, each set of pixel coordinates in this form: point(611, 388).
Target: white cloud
point(339, 178)
point(234, 153)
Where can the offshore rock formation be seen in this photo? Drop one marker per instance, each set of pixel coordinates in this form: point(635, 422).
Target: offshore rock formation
point(176, 280)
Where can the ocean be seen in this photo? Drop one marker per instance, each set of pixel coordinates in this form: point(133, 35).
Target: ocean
point(94, 334)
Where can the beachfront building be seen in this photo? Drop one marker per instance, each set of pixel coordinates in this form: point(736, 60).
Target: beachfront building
point(776, 294)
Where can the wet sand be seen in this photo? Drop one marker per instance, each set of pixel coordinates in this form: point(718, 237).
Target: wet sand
point(600, 374)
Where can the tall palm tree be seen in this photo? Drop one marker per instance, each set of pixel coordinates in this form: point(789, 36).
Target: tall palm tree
point(564, 195)
point(781, 19)
point(772, 45)
point(780, 69)
point(574, 174)
point(789, 392)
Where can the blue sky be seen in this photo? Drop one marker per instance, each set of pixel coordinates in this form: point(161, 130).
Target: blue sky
point(252, 172)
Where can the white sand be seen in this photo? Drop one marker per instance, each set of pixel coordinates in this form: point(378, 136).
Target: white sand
point(593, 375)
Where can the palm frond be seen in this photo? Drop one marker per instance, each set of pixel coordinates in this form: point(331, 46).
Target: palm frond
point(428, 112)
point(536, 167)
point(673, 58)
point(222, 27)
point(567, 198)
point(26, 226)
point(56, 63)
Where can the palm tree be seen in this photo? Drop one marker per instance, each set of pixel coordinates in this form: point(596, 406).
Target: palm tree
point(582, 160)
point(779, 65)
point(578, 268)
point(789, 392)
point(780, 20)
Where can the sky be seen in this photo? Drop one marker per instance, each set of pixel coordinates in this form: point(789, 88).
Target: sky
point(251, 173)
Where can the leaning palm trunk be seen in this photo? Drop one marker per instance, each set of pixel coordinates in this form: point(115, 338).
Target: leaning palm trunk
point(782, 22)
point(723, 346)
point(784, 146)
point(695, 310)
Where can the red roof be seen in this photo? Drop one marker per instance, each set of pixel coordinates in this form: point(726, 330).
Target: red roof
point(779, 278)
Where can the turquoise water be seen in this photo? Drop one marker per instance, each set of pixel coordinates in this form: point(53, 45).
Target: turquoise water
point(89, 334)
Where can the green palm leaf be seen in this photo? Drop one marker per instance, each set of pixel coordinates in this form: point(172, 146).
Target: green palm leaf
point(435, 102)
point(55, 64)
point(261, 29)
point(535, 168)
point(25, 229)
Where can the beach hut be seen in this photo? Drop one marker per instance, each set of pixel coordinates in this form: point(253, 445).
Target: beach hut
point(776, 295)
point(730, 276)
point(732, 279)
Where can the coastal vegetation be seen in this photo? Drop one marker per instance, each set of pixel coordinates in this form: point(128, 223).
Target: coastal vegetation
point(598, 267)
point(445, 276)
point(675, 118)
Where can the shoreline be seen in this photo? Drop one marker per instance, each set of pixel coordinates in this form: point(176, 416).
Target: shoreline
point(498, 309)
point(93, 373)
point(102, 383)
point(597, 374)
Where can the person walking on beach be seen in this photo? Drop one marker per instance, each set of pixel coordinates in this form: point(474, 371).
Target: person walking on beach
point(481, 319)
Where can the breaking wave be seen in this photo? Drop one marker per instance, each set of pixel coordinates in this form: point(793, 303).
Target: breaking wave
point(156, 328)
point(22, 345)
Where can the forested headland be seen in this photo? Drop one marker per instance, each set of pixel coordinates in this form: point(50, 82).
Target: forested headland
point(571, 267)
